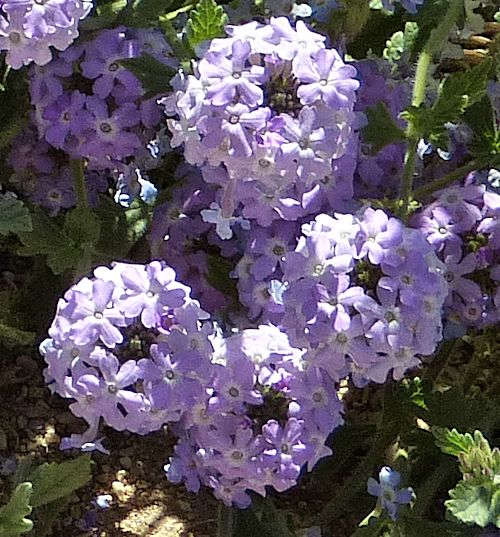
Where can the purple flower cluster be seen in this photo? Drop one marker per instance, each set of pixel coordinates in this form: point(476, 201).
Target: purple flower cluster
point(269, 117)
point(103, 326)
point(43, 174)
point(29, 28)
point(363, 296)
point(463, 226)
point(131, 348)
point(265, 419)
point(88, 105)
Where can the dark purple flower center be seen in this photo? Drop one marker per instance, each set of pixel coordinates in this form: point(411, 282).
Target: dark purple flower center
point(15, 37)
point(237, 455)
point(169, 375)
point(98, 315)
point(112, 388)
point(285, 448)
point(278, 250)
point(113, 67)
point(105, 127)
point(234, 392)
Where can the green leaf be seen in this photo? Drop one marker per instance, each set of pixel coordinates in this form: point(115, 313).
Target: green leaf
point(475, 503)
point(54, 481)
point(12, 337)
point(14, 216)
point(12, 515)
point(154, 75)
point(206, 22)
point(47, 238)
point(456, 93)
point(381, 129)
point(143, 13)
point(452, 442)
point(82, 226)
point(480, 117)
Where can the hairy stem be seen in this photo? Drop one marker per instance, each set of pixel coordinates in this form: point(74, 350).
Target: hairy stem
point(82, 201)
point(434, 44)
point(491, 161)
point(224, 521)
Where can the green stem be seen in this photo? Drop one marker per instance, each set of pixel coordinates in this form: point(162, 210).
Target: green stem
point(224, 521)
point(434, 44)
point(460, 173)
point(386, 431)
point(82, 201)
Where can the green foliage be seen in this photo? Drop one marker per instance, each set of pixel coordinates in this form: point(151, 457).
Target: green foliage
point(400, 44)
point(12, 515)
point(206, 22)
point(381, 129)
point(48, 486)
point(452, 442)
point(143, 13)
point(456, 93)
point(154, 75)
point(54, 481)
point(475, 499)
point(12, 337)
point(480, 117)
point(14, 216)
point(475, 503)
point(64, 245)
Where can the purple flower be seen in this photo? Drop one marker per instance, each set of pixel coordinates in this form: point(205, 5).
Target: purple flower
point(95, 316)
point(389, 496)
point(228, 77)
point(326, 77)
point(67, 116)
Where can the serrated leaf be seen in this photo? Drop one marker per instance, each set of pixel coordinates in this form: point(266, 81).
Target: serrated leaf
point(381, 129)
point(154, 75)
point(14, 216)
point(47, 238)
point(475, 503)
point(82, 226)
point(56, 480)
point(457, 92)
point(452, 442)
point(480, 117)
point(12, 515)
point(206, 22)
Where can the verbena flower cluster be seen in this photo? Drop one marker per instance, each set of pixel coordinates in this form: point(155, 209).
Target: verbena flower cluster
point(363, 296)
point(268, 115)
point(463, 226)
point(87, 104)
point(131, 347)
point(29, 29)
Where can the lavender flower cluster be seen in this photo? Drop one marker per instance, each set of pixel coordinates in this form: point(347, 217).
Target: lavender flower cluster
point(268, 115)
point(88, 105)
point(363, 296)
point(463, 226)
point(131, 347)
point(29, 28)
